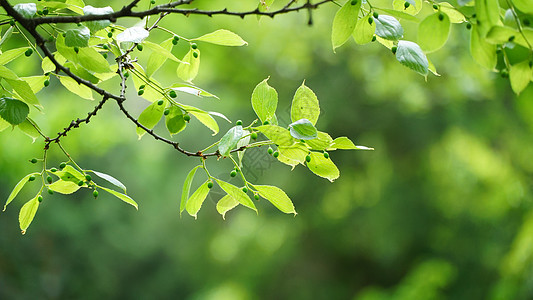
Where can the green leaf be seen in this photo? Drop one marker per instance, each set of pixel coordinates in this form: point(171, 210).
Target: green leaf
point(323, 141)
point(524, 6)
point(7, 74)
point(78, 89)
point(455, 15)
point(230, 140)
point(70, 174)
point(237, 194)
point(13, 111)
point(150, 93)
point(482, 52)
point(194, 203)
point(520, 75)
point(204, 117)
point(174, 120)
point(94, 26)
point(413, 9)
point(487, 15)
point(47, 65)
point(323, 167)
point(163, 49)
point(189, 69)
point(277, 134)
point(388, 28)
point(109, 179)
point(222, 37)
point(293, 155)
point(6, 35)
point(36, 83)
point(27, 213)
point(24, 92)
point(343, 143)
point(81, 72)
point(344, 23)
point(67, 52)
point(12, 54)
point(364, 31)
point(226, 204)
point(156, 60)
point(277, 197)
point(191, 89)
point(150, 117)
point(134, 34)
point(78, 37)
point(305, 105)
point(27, 128)
point(17, 189)
point(433, 32)
point(27, 10)
point(187, 188)
point(264, 101)
point(399, 14)
point(410, 55)
point(92, 60)
point(74, 5)
point(64, 187)
point(502, 34)
point(303, 129)
point(122, 197)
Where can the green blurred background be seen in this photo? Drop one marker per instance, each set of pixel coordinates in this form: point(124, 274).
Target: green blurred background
point(440, 210)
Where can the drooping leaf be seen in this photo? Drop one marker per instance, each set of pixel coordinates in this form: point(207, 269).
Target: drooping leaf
point(27, 10)
point(78, 89)
point(13, 111)
point(277, 134)
point(305, 105)
point(122, 197)
point(303, 129)
point(77, 37)
point(194, 203)
point(237, 194)
point(156, 60)
point(28, 129)
point(134, 34)
point(204, 117)
point(162, 50)
point(364, 31)
point(482, 52)
point(230, 140)
point(23, 91)
point(17, 189)
point(388, 28)
point(433, 32)
point(188, 70)
point(277, 197)
point(323, 141)
point(187, 188)
point(174, 120)
point(520, 75)
point(410, 55)
point(226, 204)
point(264, 101)
point(27, 213)
point(110, 179)
point(344, 23)
point(323, 167)
point(94, 26)
point(64, 187)
point(222, 37)
point(150, 117)
point(47, 65)
point(12, 54)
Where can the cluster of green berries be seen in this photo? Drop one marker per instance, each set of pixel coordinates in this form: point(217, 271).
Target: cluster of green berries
point(175, 40)
point(140, 92)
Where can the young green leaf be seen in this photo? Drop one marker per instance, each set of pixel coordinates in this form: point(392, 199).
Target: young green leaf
point(323, 167)
point(524, 6)
point(364, 31)
point(187, 188)
point(237, 194)
point(158, 58)
point(414, 8)
point(277, 134)
point(77, 37)
point(343, 143)
point(134, 34)
point(162, 50)
point(36, 83)
point(277, 197)
point(323, 141)
point(92, 60)
point(70, 174)
point(433, 32)
point(482, 52)
point(13, 111)
point(204, 117)
point(109, 179)
point(23, 91)
point(292, 155)
point(189, 69)
point(264, 101)
point(194, 203)
point(78, 89)
point(502, 34)
point(455, 15)
point(94, 26)
point(222, 37)
point(230, 140)
point(28, 129)
point(27, 10)
point(150, 93)
point(399, 14)
point(305, 105)
point(303, 129)
point(487, 15)
point(150, 117)
point(64, 187)
point(27, 213)
point(12, 54)
point(226, 204)
point(388, 28)
point(174, 120)
point(122, 197)
point(410, 55)
point(17, 189)
point(191, 89)
point(344, 23)
point(520, 75)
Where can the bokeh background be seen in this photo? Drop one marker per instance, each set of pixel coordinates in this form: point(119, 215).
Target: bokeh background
point(442, 209)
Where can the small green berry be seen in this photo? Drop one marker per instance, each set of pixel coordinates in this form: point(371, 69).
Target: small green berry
point(95, 193)
point(28, 52)
point(88, 177)
point(187, 118)
point(270, 151)
point(406, 5)
point(194, 46)
point(176, 38)
point(276, 154)
point(160, 102)
point(109, 34)
point(33, 160)
point(393, 49)
point(152, 2)
point(64, 34)
point(435, 6)
point(49, 179)
point(80, 183)
point(104, 55)
point(468, 26)
point(105, 47)
point(233, 173)
point(244, 189)
point(308, 158)
point(195, 54)
point(239, 122)
point(50, 192)
point(62, 165)
point(174, 42)
point(370, 20)
point(126, 74)
point(256, 197)
point(373, 38)
point(142, 87)
point(140, 92)
point(39, 12)
point(504, 73)
point(266, 123)
point(173, 94)
point(53, 170)
point(354, 2)
point(511, 38)
point(32, 178)
point(326, 155)
point(139, 47)
point(375, 15)
point(46, 82)
point(76, 49)
point(12, 22)
point(78, 24)
point(526, 22)
point(40, 198)
point(441, 17)
point(210, 184)
point(254, 135)
point(112, 29)
point(166, 112)
point(45, 11)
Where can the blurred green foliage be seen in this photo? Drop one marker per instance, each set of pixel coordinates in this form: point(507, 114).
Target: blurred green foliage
point(440, 210)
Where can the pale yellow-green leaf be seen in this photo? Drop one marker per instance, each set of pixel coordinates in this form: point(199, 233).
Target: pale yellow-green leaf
point(17, 189)
point(277, 197)
point(28, 129)
point(64, 187)
point(27, 213)
point(412, 9)
point(150, 116)
point(78, 89)
point(187, 71)
point(293, 155)
point(278, 135)
point(222, 37)
point(454, 15)
point(520, 75)
point(194, 203)
point(344, 23)
point(323, 167)
point(237, 194)
point(364, 31)
point(305, 105)
point(12, 54)
point(122, 197)
point(204, 117)
point(264, 101)
point(36, 83)
point(433, 32)
point(482, 52)
point(226, 204)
